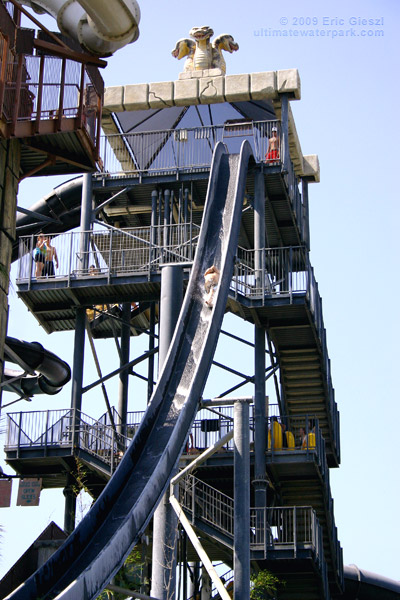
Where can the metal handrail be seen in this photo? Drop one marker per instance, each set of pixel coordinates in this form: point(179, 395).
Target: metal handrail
point(271, 528)
point(287, 273)
point(66, 428)
point(111, 251)
point(50, 88)
point(185, 149)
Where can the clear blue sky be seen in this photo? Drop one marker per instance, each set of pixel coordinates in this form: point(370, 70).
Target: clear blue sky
point(348, 116)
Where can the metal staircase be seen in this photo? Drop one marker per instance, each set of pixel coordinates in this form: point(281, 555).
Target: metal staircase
point(278, 535)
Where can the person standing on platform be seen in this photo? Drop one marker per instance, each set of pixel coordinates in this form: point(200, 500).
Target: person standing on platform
point(51, 255)
point(39, 255)
point(272, 154)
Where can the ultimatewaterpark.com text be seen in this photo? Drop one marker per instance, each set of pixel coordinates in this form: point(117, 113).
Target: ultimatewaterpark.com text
point(329, 27)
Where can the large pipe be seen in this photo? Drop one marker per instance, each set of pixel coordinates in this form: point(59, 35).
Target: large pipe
point(100, 26)
point(363, 585)
point(54, 373)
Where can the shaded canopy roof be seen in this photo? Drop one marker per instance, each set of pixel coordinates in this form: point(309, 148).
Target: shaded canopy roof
point(156, 119)
point(162, 122)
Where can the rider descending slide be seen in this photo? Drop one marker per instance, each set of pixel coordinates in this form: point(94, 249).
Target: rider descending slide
point(97, 548)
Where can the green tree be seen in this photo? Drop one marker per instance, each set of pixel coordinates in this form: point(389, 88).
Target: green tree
point(129, 577)
point(264, 585)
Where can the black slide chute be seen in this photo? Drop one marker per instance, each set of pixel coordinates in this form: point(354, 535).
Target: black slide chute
point(97, 548)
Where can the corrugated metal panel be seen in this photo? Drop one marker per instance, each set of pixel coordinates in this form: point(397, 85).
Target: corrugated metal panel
point(66, 146)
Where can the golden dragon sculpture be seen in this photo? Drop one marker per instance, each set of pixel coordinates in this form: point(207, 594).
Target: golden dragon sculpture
point(201, 53)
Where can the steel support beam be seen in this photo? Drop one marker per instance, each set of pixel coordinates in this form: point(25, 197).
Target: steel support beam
point(124, 375)
point(259, 228)
point(165, 522)
point(306, 216)
point(150, 370)
point(70, 506)
point(260, 438)
point(285, 130)
point(241, 553)
point(76, 405)
point(86, 219)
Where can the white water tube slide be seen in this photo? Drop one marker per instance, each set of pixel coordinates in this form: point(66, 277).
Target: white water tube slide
point(100, 26)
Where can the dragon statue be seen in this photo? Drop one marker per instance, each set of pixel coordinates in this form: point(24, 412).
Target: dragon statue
point(202, 53)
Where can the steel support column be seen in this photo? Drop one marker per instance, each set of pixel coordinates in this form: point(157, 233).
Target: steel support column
point(166, 240)
point(150, 369)
point(70, 506)
point(77, 364)
point(165, 522)
point(260, 437)
point(79, 344)
point(285, 129)
point(124, 375)
point(259, 483)
point(86, 220)
point(306, 216)
point(259, 228)
point(241, 559)
point(205, 585)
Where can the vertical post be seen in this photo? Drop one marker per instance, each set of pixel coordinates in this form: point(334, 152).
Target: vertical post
point(124, 375)
point(160, 218)
point(285, 130)
point(81, 96)
point(76, 405)
point(86, 220)
point(185, 220)
point(205, 585)
point(61, 97)
point(3, 70)
point(259, 228)
point(242, 500)
point(70, 506)
point(165, 522)
point(194, 579)
point(306, 215)
point(150, 371)
point(40, 94)
point(79, 341)
point(167, 195)
point(17, 96)
point(184, 561)
point(170, 305)
point(260, 442)
point(153, 224)
point(77, 365)
point(260, 482)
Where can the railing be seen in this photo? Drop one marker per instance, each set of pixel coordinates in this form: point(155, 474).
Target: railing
point(281, 271)
point(210, 505)
point(208, 429)
point(42, 87)
point(67, 429)
point(186, 149)
point(112, 251)
point(262, 273)
point(191, 149)
point(275, 528)
point(286, 531)
point(56, 428)
point(258, 274)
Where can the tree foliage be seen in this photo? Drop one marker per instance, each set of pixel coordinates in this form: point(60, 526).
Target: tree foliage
point(264, 585)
